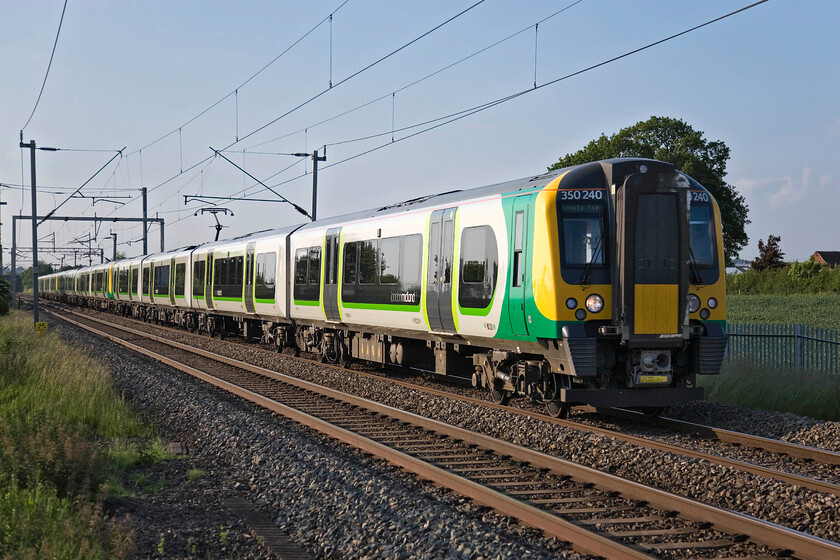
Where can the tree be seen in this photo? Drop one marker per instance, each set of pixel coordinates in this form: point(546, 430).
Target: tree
point(26, 275)
point(770, 255)
point(5, 296)
point(676, 142)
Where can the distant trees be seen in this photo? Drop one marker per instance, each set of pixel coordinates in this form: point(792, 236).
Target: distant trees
point(5, 296)
point(769, 255)
point(674, 141)
point(26, 275)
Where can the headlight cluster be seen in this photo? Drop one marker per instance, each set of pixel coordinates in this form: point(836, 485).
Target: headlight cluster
point(594, 303)
point(694, 305)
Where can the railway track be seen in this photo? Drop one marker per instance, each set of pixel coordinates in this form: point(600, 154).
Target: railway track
point(599, 513)
point(739, 440)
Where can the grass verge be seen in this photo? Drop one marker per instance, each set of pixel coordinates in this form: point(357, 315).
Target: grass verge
point(64, 434)
point(743, 383)
point(816, 310)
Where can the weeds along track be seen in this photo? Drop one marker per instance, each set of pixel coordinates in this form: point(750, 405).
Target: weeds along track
point(599, 513)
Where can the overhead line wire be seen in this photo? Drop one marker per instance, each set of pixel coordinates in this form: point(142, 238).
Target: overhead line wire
point(356, 73)
point(419, 80)
point(235, 90)
point(55, 44)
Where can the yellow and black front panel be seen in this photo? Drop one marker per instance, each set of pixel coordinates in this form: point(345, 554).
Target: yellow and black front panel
point(656, 271)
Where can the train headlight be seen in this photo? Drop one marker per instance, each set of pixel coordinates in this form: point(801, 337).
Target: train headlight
point(693, 303)
point(712, 303)
point(594, 303)
point(704, 314)
point(571, 303)
point(580, 314)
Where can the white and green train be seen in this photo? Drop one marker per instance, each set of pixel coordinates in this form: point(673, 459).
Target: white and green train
point(600, 284)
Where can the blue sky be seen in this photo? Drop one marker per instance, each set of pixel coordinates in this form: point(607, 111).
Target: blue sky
point(766, 82)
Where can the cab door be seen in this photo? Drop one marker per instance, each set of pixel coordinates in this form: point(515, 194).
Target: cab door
point(518, 265)
point(439, 280)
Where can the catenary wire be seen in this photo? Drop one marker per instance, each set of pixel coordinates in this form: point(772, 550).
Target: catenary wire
point(55, 44)
point(235, 90)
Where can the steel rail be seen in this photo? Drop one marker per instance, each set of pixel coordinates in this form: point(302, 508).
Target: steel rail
point(729, 436)
point(760, 532)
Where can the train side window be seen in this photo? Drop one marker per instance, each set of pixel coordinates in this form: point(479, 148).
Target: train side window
point(301, 266)
point(180, 278)
point(314, 265)
point(198, 278)
point(389, 260)
point(351, 258)
point(411, 259)
point(479, 263)
point(266, 274)
point(518, 233)
point(367, 262)
point(161, 283)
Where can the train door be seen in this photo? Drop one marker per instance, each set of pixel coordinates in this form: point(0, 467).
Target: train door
point(208, 281)
point(439, 280)
point(172, 281)
point(653, 252)
point(331, 264)
point(249, 277)
point(518, 266)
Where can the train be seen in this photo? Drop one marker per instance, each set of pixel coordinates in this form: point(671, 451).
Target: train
point(600, 284)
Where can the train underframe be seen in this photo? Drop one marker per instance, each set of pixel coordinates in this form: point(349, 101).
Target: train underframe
point(592, 368)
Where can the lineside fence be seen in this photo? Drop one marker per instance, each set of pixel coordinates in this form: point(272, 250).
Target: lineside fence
point(791, 346)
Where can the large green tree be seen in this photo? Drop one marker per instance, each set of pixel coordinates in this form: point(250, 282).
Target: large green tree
point(676, 142)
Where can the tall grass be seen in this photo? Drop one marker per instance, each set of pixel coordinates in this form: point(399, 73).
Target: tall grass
point(816, 310)
point(744, 383)
point(58, 414)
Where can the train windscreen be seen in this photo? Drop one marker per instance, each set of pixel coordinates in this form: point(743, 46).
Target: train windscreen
point(583, 247)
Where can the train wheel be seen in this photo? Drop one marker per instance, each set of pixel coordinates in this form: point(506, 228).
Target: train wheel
point(557, 409)
point(499, 396)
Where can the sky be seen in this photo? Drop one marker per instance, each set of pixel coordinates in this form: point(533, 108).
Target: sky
point(168, 82)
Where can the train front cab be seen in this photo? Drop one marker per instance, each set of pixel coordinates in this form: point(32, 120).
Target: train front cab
point(641, 308)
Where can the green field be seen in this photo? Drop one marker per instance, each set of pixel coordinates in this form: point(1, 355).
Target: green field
point(816, 310)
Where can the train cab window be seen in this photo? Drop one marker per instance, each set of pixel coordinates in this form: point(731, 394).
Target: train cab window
point(479, 264)
point(180, 278)
point(702, 236)
point(583, 249)
point(198, 278)
point(266, 275)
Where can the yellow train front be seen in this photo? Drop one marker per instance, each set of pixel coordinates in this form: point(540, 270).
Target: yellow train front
point(626, 300)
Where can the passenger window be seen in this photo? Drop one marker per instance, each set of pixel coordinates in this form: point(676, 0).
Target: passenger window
point(350, 259)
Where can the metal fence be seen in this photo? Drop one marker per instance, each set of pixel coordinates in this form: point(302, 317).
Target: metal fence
point(793, 346)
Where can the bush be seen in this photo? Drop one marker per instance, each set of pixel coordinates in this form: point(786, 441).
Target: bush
point(808, 277)
point(5, 296)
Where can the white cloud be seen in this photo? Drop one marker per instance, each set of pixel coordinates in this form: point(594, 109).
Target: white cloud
point(783, 190)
